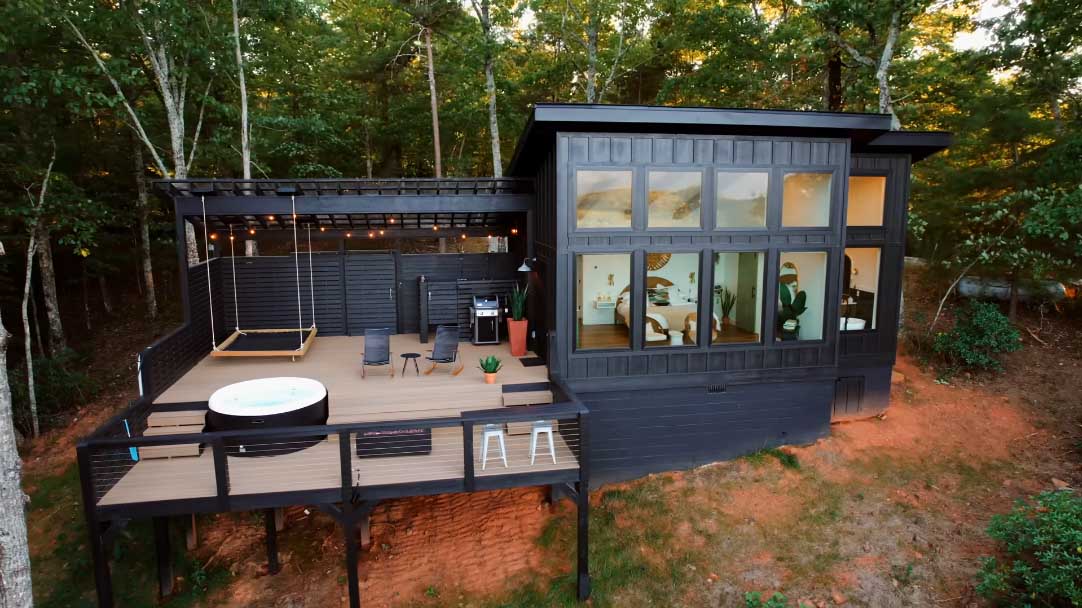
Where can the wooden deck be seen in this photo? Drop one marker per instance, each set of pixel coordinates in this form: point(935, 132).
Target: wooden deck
point(317, 468)
point(336, 362)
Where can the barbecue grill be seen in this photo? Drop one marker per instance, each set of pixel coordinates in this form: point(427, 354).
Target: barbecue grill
point(485, 319)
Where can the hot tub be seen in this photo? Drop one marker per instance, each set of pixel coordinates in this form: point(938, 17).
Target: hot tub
point(268, 403)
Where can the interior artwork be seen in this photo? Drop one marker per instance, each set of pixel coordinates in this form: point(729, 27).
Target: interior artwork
point(670, 298)
point(860, 289)
point(867, 194)
point(806, 200)
point(742, 199)
point(596, 300)
point(737, 297)
point(801, 295)
point(674, 199)
point(657, 261)
point(603, 199)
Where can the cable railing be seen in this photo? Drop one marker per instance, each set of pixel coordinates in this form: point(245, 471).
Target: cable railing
point(466, 186)
point(228, 470)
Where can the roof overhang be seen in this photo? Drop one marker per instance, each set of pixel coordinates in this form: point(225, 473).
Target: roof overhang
point(549, 118)
point(918, 144)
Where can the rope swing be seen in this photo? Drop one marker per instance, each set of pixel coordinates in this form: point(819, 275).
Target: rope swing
point(305, 335)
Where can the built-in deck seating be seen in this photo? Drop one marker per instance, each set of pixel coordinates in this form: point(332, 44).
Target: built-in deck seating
point(173, 423)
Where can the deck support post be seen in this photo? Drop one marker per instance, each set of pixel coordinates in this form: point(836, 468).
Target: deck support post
point(103, 583)
point(582, 500)
point(164, 552)
point(349, 528)
point(270, 522)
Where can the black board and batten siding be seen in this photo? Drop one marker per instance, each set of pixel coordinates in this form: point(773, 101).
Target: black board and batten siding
point(445, 273)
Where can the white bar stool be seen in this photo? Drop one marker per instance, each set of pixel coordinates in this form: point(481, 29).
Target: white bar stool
point(539, 427)
point(493, 431)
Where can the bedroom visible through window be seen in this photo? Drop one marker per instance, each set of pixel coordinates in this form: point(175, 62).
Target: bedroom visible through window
point(671, 305)
point(602, 289)
point(806, 200)
point(801, 305)
point(742, 199)
point(737, 297)
point(603, 199)
point(674, 199)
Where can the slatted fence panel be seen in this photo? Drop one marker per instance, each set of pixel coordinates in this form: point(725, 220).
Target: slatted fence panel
point(267, 293)
point(371, 291)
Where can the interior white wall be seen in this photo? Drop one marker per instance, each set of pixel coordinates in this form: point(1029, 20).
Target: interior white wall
point(677, 270)
point(867, 194)
point(806, 199)
point(726, 272)
point(865, 265)
point(811, 269)
point(593, 272)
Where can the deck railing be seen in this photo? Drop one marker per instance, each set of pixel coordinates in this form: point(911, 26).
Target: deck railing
point(357, 187)
point(328, 463)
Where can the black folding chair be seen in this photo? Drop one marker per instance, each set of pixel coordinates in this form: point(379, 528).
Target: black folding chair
point(377, 349)
point(445, 350)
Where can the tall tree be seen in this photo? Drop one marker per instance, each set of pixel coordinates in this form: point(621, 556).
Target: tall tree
point(16, 590)
point(142, 199)
point(483, 10)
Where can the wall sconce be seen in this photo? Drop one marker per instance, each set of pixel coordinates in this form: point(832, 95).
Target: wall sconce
point(527, 265)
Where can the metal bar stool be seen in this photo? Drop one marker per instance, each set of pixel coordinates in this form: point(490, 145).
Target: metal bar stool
point(539, 427)
point(493, 431)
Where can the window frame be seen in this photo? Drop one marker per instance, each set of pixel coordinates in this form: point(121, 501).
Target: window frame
point(641, 275)
point(829, 326)
point(575, 338)
point(771, 188)
point(573, 184)
point(886, 197)
point(764, 312)
point(647, 170)
point(879, 291)
point(833, 202)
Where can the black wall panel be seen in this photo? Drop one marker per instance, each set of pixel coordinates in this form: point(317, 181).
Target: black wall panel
point(639, 432)
point(267, 287)
point(440, 269)
point(371, 291)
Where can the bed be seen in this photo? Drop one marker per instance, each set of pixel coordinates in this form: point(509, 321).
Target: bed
point(266, 343)
point(662, 313)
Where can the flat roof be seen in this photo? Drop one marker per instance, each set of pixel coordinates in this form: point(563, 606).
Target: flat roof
point(862, 128)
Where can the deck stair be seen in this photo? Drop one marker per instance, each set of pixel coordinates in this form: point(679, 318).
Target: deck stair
point(180, 422)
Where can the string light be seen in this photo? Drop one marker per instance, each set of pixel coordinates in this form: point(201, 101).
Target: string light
point(251, 231)
point(371, 234)
point(463, 237)
point(214, 236)
point(349, 234)
point(514, 231)
point(392, 220)
point(270, 217)
point(231, 237)
point(381, 233)
point(435, 228)
point(323, 229)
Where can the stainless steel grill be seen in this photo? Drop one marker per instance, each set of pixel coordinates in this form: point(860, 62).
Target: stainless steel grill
point(485, 319)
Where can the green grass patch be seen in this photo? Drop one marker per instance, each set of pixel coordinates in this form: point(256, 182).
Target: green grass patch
point(63, 571)
point(786, 459)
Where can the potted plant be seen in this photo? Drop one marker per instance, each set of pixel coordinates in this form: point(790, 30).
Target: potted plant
point(516, 325)
point(726, 301)
point(792, 306)
point(490, 365)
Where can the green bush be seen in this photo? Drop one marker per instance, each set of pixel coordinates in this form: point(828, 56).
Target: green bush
point(980, 335)
point(60, 388)
point(1042, 546)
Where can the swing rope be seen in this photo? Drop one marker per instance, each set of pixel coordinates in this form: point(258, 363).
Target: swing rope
point(233, 262)
point(210, 291)
point(297, 268)
point(311, 276)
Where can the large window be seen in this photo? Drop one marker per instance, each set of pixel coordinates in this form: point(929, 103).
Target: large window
point(737, 297)
point(603, 199)
point(742, 198)
point(671, 300)
point(867, 194)
point(674, 199)
point(806, 200)
point(860, 288)
point(802, 280)
point(602, 300)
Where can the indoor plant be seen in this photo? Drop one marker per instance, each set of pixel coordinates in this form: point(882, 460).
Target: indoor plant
point(516, 325)
point(490, 365)
point(792, 306)
point(726, 301)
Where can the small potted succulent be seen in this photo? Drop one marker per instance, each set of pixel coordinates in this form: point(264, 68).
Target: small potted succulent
point(516, 325)
point(490, 365)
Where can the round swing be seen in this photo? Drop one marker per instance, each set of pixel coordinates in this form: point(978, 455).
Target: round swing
point(289, 342)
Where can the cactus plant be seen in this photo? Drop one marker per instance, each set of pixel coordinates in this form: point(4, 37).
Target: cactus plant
point(490, 364)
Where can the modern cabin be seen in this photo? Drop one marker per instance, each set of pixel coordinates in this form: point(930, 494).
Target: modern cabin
point(702, 283)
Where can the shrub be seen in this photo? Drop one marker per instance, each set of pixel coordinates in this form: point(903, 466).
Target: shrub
point(979, 336)
point(1042, 546)
point(60, 388)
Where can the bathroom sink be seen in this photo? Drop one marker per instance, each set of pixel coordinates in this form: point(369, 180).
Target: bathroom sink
point(852, 324)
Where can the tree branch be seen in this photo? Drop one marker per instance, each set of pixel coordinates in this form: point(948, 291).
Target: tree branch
point(853, 52)
point(198, 127)
point(136, 124)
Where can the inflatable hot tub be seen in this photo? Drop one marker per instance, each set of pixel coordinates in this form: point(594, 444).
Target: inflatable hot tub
point(267, 404)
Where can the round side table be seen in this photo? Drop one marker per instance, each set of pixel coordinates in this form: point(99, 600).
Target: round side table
point(406, 358)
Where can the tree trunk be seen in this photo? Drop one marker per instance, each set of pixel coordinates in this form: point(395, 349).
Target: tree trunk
point(106, 301)
point(84, 283)
point(150, 297)
point(31, 394)
point(34, 321)
point(245, 146)
point(591, 55)
point(251, 248)
point(493, 119)
point(57, 344)
point(367, 153)
point(434, 101)
point(1012, 308)
point(15, 582)
point(882, 73)
point(834, 77)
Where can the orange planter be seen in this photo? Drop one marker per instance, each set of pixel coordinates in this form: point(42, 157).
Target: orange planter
point(516, 330)
point(490, 378)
